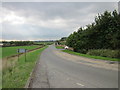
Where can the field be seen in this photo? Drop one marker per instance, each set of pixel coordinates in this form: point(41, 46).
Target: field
point(8, 51)
point(90, 56)
point(17, 74)
point(44, 42)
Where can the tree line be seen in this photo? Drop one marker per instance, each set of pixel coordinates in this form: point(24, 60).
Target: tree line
point(103, 33)
point(17, 43)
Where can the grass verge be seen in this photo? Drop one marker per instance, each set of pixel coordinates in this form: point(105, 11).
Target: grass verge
point(59, 47)
point(90, 56)
point(18, 74)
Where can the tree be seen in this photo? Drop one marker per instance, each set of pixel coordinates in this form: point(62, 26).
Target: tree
point(104, 33)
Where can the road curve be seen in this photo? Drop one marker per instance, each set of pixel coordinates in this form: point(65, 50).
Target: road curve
point(55, 71)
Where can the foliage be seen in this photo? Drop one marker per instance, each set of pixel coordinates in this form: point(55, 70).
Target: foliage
point(105, 53)
point(17, 43)
point(104, 33)
point(62, 41)
point(43, 42)
point(63, 38)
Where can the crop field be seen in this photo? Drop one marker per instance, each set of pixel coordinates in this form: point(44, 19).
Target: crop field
point(8, 51)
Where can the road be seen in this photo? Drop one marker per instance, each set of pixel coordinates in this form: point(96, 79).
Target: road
point(57, 69)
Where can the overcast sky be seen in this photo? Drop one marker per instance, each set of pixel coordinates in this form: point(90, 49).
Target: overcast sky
point(47, 21)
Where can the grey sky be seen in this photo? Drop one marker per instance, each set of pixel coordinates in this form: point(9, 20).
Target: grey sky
point(46, 21)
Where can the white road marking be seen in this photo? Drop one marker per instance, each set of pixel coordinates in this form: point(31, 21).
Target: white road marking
point(79, 84)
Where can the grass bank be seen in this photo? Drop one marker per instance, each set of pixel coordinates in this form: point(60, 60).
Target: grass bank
point(90, 56)
point(59, 47)
point(8, 51)
point(17, 75)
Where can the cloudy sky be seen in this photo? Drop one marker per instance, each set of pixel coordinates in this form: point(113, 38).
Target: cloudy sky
point(47, 20)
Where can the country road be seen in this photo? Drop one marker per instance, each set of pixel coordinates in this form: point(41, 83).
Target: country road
point(57, 69)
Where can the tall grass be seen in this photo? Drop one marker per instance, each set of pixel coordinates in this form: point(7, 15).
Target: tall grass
point(105, 53)
point(17, 75)
point(91, 56)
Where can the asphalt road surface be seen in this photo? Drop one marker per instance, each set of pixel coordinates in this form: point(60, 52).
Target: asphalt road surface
point(57, 69)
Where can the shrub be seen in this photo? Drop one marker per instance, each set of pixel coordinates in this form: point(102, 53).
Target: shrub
point(104, 53)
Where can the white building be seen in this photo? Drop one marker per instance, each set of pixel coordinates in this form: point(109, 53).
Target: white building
point(1, 44)
point(66, 47)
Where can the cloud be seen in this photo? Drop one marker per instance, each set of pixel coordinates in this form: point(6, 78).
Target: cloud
point(12, 18)
point(42, 21)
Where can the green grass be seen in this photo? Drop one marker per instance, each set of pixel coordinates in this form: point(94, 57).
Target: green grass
point(90, 56)
point(0, 52)
point(59, 47)
point(45, 43)
point(8, 51)
point(18, 74)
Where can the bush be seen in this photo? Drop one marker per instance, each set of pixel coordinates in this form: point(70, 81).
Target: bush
point(83, 51)
point(103, 33)
point(104, 53)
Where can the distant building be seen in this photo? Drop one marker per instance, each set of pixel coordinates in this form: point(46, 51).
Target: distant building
point(66, 47)
point(1, 44)
point(5, 44)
